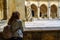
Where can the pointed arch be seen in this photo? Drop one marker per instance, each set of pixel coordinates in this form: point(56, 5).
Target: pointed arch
point(34, 10)
point(53, 11)
point(43, 11)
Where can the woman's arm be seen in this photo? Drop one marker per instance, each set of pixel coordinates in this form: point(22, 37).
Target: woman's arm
point(20, 25)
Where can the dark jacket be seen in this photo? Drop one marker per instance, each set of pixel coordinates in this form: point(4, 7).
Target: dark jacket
point(15, 26)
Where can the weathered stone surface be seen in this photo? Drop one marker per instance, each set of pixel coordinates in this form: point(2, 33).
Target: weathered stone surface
point(42, 35)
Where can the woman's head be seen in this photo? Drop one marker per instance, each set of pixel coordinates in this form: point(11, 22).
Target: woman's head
point(15, 16)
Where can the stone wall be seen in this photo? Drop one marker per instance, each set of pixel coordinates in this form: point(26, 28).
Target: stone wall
point(16, 5)
point(9, 6)
point(1, 9)
point(42, 35)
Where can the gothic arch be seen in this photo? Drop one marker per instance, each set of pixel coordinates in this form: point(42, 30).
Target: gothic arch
point(53, 11)
point(34, 10)
point(43, 11)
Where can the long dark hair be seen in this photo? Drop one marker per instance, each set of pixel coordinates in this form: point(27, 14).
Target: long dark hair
point(15, 15)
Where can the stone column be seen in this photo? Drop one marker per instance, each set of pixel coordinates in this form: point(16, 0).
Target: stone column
point(4, 9)
point(1, 9)
point(38, 9)
point(49, 10)
point(59, 9)
point(49, 13)
point(7, 10)
point(59, 12)
point(38, 12)
point(29, 14)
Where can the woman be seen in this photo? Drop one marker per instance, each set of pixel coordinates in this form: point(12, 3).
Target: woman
point(16, 24)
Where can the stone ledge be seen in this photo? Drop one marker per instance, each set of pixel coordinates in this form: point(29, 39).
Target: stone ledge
point(41, 28)
point(43, 23)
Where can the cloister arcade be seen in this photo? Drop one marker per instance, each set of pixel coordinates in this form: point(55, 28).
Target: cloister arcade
point(33, 9)
point(42, 9)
